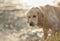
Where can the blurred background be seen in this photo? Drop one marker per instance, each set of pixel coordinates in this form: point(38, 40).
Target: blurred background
point(13, 25)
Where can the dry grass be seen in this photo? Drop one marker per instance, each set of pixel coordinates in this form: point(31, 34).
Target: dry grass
point(51, 38)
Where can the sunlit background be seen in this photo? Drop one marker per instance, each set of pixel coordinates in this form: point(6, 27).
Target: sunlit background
point(32, 3)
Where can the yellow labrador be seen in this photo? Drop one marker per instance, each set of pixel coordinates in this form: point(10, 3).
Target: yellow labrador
point(46, 17)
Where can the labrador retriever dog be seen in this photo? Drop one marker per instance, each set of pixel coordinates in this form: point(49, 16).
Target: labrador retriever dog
point(46, 17)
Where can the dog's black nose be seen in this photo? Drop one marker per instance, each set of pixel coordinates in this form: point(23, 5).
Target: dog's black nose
point(31, 24)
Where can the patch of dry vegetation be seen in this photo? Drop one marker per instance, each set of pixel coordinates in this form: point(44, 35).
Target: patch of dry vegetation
point(51, 38)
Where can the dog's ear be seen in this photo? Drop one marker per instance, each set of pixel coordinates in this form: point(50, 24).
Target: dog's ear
point(40, 17)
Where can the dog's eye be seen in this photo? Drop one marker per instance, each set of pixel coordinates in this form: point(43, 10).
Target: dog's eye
point(34, 16)
point(29, 17)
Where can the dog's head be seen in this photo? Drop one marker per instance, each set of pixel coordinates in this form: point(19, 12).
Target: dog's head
point(34, 17)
